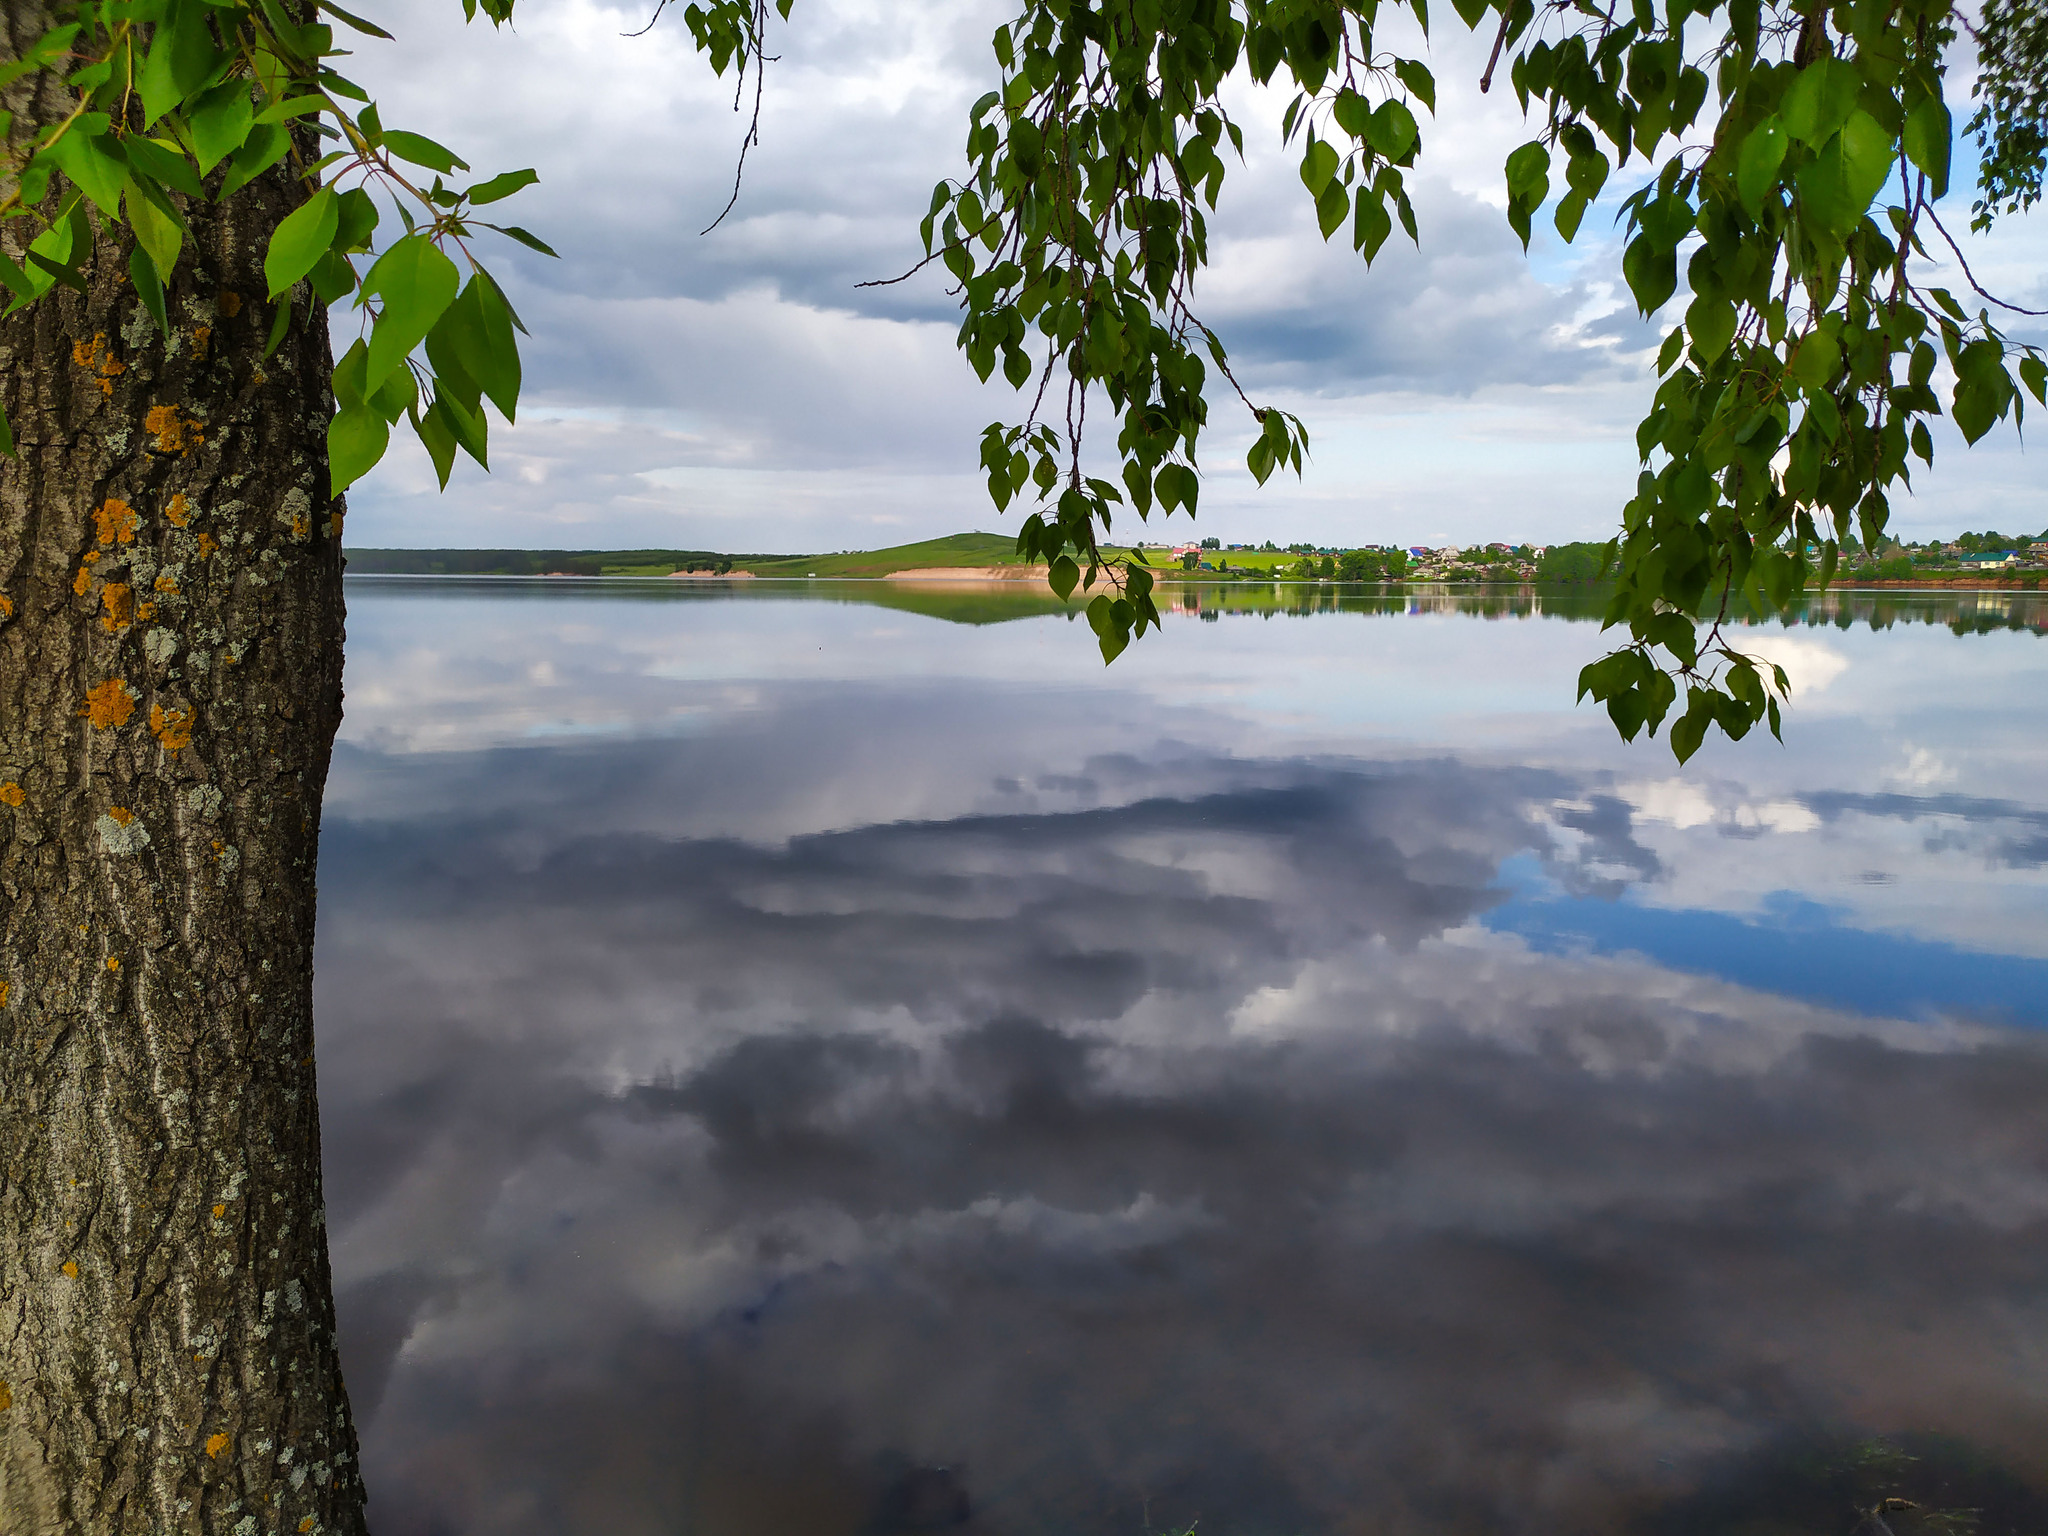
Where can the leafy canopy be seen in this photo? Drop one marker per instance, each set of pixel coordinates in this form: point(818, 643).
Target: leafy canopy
point(1792, 152)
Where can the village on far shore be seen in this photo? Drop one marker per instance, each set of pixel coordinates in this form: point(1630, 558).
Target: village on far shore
point(1970, 558)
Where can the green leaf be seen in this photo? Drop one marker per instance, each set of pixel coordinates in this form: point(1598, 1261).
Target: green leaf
point(1331, 207)
point(1392, 130)
point(155, 232)
point(1371, 223)
point(355, 220)
point(397, 396)
point(356, 440)
point(1318, 165)
point(2034, 374)
point(502, 186)
point(148, 288)
point(1416, 76)
point(350, 391)
point(530, 241)
point(181, 58)
point(293, 106)
point(1528, 170)
point(349, 19)
point(1816, 360)
point(1112, 630)
point(1756, 168)
point(1651, 272)
point(472, 348)
point(1063, 576)
point(332, 277)
point(1820, 100)
point(164, 163)
point(491, 353)
point(95, 168)
point(1836, 188)
point(1928, 137)
point(420, 150)
point(1710, 322)
point(17, 283)
point(7, 449)
point(266, 144)
point(1571, 209)
point(279, 324)
point(300, 240)
point(471, 428)
point(439, 440)
point(416, 283)
point(220, 123)
point(67, 275)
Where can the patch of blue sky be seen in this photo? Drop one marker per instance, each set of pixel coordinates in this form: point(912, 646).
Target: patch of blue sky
point(1793, 946)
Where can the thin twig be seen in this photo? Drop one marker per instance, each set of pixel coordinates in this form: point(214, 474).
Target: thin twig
point(1499, 39)
point(658, 9)
point(2016, 309)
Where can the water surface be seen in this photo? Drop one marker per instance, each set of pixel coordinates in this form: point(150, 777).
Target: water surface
point(798, 1062)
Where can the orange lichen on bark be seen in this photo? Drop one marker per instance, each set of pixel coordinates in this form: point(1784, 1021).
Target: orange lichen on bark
point(6, 606)
point(113, 962)
point(121, 813)
point(334, 525)
point(119, 600)
point(300, 527)
point(305, 1525)
point(171, 727)
point(5, 988)
point(6, 1392)
point(206, 544)
point(173, 434)
point(70, 1267)
point(116, 521)
point(144, 612)
point(168, 587)
point(219, 1211)
point(201, 335)
point(216, 1445)
point(229, 304)
point(12, 793)
point(93, 354)
point(176, 514)
point(108, 705)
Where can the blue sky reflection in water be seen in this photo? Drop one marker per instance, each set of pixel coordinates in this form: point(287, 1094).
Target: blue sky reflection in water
point(795, 1064)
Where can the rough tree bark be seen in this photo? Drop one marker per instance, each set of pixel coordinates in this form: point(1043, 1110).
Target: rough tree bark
point(170, 684)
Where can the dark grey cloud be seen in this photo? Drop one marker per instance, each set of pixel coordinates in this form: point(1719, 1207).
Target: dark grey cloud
point(1172, 1147)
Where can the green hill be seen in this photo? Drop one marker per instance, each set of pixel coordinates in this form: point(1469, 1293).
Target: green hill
point(958, 549)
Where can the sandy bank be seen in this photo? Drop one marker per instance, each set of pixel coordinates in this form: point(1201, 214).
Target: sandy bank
point(710, 576)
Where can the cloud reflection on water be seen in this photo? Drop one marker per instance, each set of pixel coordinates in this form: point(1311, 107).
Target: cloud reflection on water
point(1178, 1141)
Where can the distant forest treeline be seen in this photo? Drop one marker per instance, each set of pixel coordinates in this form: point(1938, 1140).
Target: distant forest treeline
point(1574, 562)
point(540, 562)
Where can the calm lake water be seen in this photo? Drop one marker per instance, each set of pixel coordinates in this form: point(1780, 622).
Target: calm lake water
point(837, 1060)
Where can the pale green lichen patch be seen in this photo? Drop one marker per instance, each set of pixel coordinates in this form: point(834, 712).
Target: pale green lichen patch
point(138, 328)
point(160, 646)
point(121, 832)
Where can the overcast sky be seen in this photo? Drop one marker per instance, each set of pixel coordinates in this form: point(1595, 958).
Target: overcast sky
point(737, 391)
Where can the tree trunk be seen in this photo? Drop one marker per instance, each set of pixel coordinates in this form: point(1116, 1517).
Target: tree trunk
point(170, 684)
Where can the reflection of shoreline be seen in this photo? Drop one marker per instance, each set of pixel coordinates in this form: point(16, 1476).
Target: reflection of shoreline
point(953, 573)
